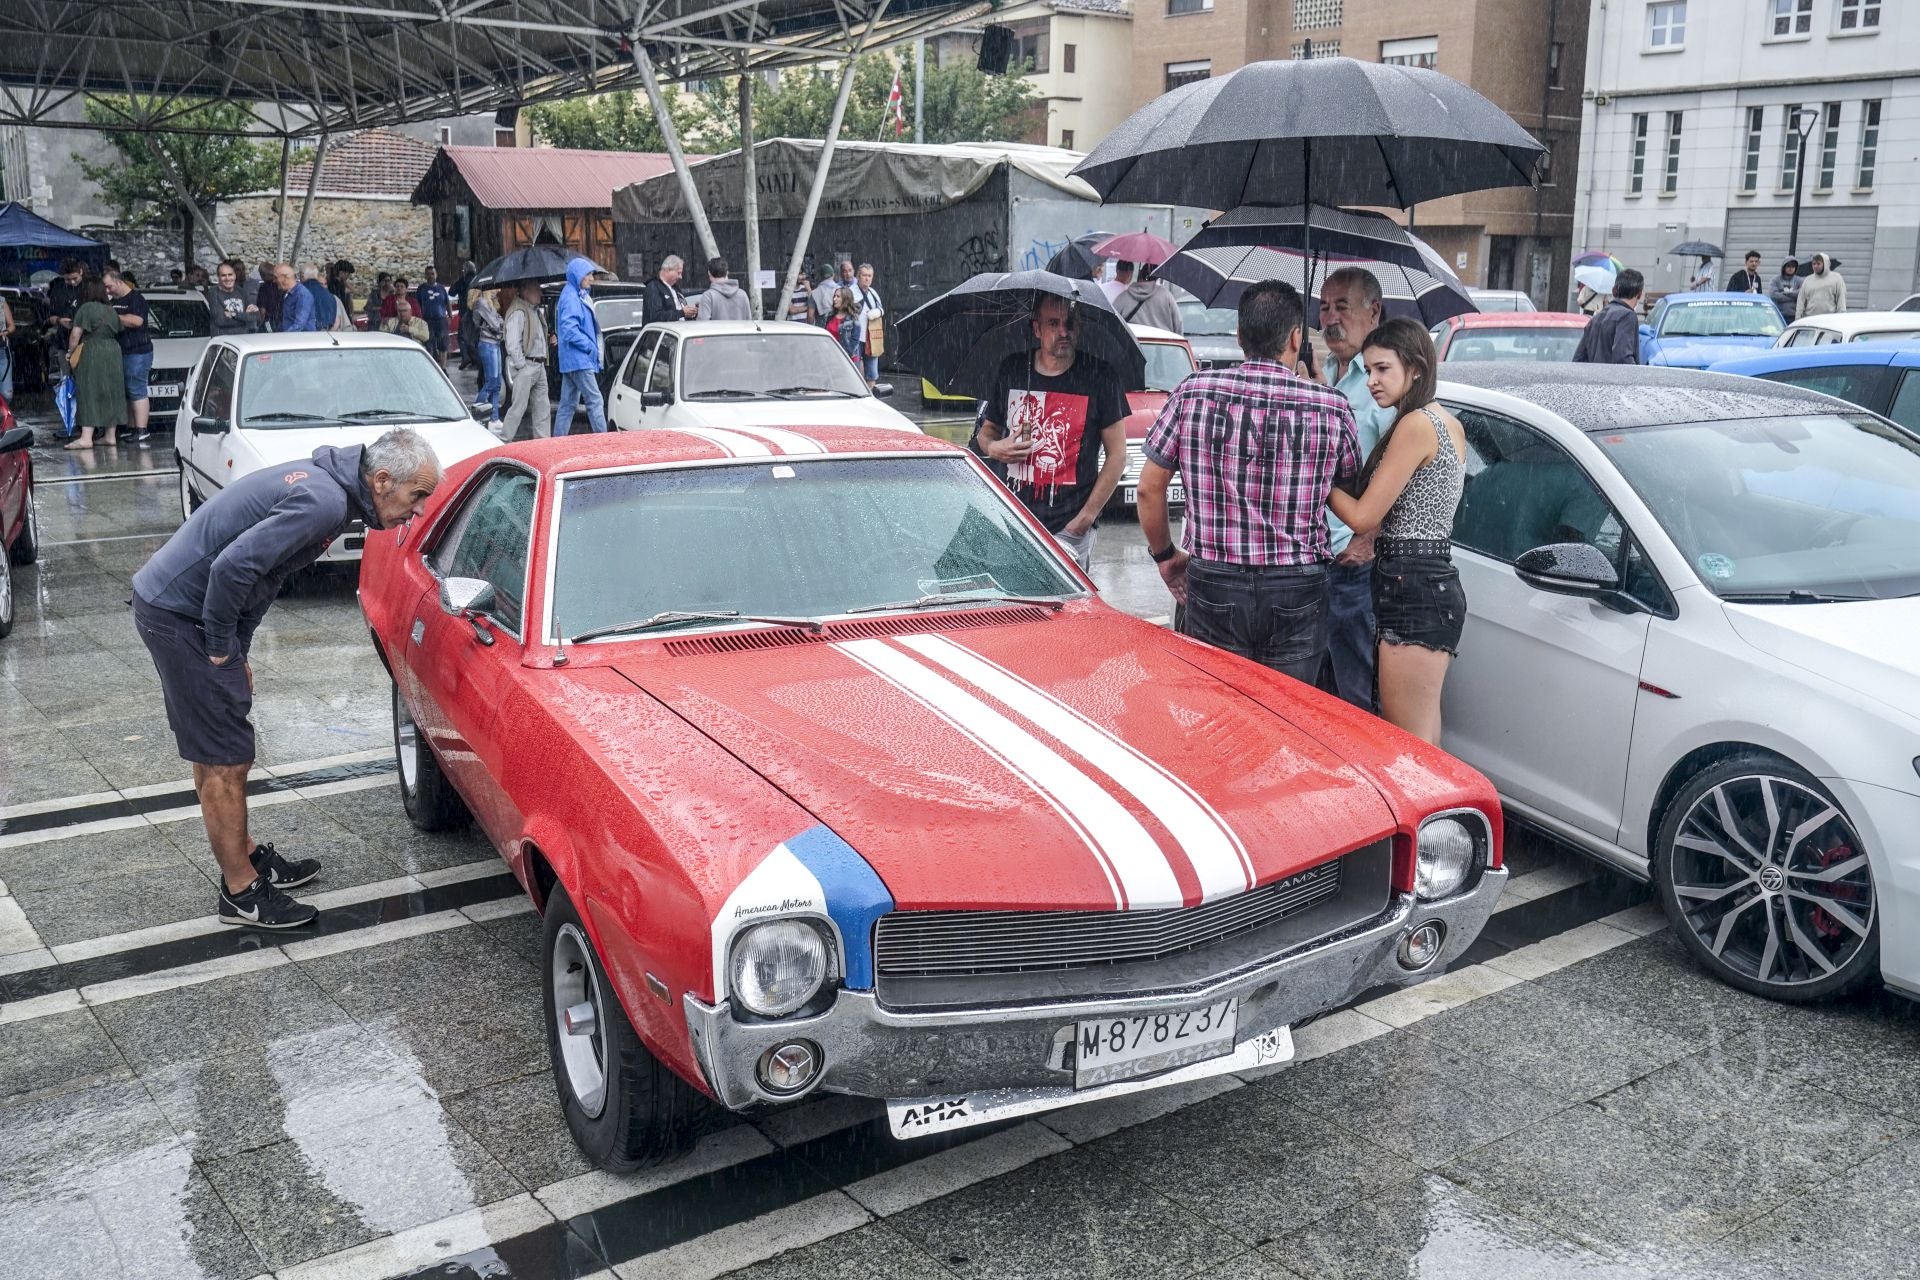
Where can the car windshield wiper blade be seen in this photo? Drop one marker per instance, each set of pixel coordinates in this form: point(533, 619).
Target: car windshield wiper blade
point(724, 393)
point(1795, 596)
point(392, 413)
point(252, 418)
point(674, 616)
point(786, 392)
point(957, 597)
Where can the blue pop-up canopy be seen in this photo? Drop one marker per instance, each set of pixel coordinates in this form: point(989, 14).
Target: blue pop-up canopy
point(29, 243)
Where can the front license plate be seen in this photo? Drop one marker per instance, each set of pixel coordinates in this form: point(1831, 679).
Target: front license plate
point(167, 390)
point(1123, 1048)
point(1176, 495)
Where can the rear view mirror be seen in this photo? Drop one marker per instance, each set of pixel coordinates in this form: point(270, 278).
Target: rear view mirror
point(466, 595)
point(205, 426)
point(656, 399)
point(1567, 569)
point(16, 439)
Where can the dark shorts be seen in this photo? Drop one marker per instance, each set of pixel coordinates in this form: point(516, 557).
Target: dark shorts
point(207, 706)
point(1417, 600)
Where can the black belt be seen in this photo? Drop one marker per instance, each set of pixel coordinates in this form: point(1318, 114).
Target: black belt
point(1441, 547)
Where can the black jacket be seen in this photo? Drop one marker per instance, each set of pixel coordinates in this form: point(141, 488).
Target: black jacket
point(660, 302)
point(1744, 281)
point(1611, 337)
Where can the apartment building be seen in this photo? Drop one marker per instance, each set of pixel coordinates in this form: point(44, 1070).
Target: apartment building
point(1698, 134)
point(1078, 56)
point(1525, 55)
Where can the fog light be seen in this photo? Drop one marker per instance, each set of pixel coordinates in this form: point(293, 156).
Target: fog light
point(789, 1067)
point(1421, 947)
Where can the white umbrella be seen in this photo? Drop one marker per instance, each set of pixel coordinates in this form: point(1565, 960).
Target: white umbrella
point(1596, 278)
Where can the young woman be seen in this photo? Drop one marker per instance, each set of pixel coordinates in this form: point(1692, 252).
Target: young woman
point(99, 381)
point(845, 325)
point(489, 332)
point(1411, 490)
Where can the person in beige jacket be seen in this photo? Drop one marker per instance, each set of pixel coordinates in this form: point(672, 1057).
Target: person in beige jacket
point(1823, 293)
point(525, 343)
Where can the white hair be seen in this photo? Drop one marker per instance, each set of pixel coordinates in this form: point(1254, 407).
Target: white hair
point(1347, 277)
point(401, 453)
point(672, 262)
point(309, 271)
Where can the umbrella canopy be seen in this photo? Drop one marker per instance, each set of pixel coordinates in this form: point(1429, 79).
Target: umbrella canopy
point(959, 340)
point(1597, 278)
point(1253, 244)
point(1598, 258)
point(1328, 131)
point(1138, 246)
point(1696, 249)
point(541, 262)
point(1078, 261)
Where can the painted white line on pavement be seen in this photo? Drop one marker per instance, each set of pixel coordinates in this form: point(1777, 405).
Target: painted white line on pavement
point(185, 811)
point(18, 839)
point(344, 786)
point(328, 762)
point(422, 1246)
point(596, 1190)
point(259, 773)
point(947, 1171)
point(118, 537)
point(24, 961)
point(255, 774)
point(820, 1115)
point(1549, 954)
point(1641, 921)
point(17, 934)
point(32, 807)
point(373, 935)
point(359, 892)
point(1538, 884)
point(40, 1007)
point(191, 975)
point(461, 874)
point(498, 909)
point(1094, 1120)
point(746, 1243)
point(1448, 991)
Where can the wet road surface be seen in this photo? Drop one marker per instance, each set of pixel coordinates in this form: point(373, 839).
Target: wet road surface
point(372, 1099)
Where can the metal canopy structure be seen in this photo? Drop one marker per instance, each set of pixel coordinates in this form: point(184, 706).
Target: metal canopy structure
point(307, 68)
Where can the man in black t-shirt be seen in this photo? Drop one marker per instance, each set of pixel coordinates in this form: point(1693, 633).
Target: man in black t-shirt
point(1052, 414)
point(136, 351)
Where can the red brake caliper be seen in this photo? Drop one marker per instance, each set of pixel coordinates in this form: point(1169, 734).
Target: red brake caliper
point(1824, 923)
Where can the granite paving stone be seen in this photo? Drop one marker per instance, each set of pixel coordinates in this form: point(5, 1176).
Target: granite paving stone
point(217, 1017)
point(1862, 1224)
point(82, 1141)
point(873, 1252)
point(1654, 981)
point(467, 1039)
point(422, 970)
point(117, 904)
point(64, 1050)
point(166, 1226)
point(519, 1121)
point(98, 855)
point(49, 780)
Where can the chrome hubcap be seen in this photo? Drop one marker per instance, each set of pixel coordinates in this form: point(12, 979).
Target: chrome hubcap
point(33, 518)
point(186, 493)
point(406, 742)
point(1772, 878)
point(576, 1004)
point(6, 588)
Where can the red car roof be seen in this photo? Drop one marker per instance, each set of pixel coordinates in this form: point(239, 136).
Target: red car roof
point(589, 452)
point(1521, 320)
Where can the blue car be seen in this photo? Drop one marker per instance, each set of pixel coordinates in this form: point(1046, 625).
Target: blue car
point(1694, 330)
point(1882, 378)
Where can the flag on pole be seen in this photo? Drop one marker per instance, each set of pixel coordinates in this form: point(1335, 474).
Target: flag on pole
point(896, 105)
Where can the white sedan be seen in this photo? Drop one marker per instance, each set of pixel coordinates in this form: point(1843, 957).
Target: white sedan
point(266, 399)
point(1692, 602)
point(734, 374)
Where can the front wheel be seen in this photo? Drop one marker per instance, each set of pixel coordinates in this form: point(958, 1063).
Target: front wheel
point(189, 500)
point(1767, 882)
point(26, 547)
point(429, 798)
point(6, 597)
point(625, 1108)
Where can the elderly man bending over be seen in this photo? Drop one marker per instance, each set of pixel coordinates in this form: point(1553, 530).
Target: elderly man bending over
point(197, 603)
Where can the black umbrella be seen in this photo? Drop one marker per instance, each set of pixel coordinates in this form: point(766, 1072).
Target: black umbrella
point(959, 340)
point(541, 262)
point(1329, 131)
point(1695, 249)
point(1078, 261)
point(1253, 244)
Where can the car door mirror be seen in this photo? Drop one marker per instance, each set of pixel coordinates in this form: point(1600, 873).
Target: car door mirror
point(656, 399)
point(1568, 569)
point(17, 439)
point(1646, 331)
point(883, 391)
point(460, 596)
point(481, 412)
point(206, 426)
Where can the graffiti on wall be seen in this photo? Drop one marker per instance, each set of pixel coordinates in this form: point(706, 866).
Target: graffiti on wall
point(978, 253)
point(1040, 251)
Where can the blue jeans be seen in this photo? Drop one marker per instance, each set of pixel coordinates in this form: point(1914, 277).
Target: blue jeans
point(579, 386)
point(1276, 616)
point(1350, 641)
point(489, 353)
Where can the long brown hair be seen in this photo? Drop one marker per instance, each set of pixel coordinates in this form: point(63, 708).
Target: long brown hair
point(1414, 345)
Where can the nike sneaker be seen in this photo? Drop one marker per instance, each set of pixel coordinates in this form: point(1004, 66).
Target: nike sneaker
point(263, 906)
point(283, 873)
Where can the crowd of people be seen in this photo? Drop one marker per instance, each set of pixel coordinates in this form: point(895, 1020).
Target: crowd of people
point(97, 324)
point(1612, 335)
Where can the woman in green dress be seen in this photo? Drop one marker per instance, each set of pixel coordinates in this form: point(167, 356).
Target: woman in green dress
point(99, 386)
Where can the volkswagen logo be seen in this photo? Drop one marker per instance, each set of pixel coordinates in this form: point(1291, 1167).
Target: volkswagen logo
point(1772, 879)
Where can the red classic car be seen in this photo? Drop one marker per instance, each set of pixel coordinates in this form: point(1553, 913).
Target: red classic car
point(19, 513)
point(828, 771)
point(1170, 359)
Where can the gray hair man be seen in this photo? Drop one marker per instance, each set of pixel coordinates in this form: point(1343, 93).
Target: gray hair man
point(1349, 311)
point(663, 300)
point(197, 603)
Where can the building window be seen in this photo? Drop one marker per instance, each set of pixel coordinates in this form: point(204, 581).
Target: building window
point(1556, 56)
point(1869, 142)
point(1320, 49)
point(1179, 73)
point(1177, 7)
point(1066, 139)
point(1030, 40)
point(1421, 52)
point(1829, 148)
point(1790, 18)
point(1670, 180)
point(1667, 24)
point(1637, 166)
point(1858, 15)
point(1309, 14)
point(446, 135)
point(1790, 148)
point(1546, 163)
point(505, 138)
point(1066, 58)
point(1750, 169)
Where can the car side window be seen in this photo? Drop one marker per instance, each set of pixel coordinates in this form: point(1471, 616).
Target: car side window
point(1905, 409)
point(201, 383)
point(661, 379)
point(643, 350)
point(1523, 491)
point(216, 399)
point(489, 540)
point(1854, 382)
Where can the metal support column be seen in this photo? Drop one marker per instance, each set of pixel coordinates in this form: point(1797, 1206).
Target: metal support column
point(187, 201)
point(750, 197)
point(306, 206)
point(919, 90)
point(280, 230)
point(670, 136)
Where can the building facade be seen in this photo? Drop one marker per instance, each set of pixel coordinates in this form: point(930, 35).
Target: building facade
point(1527, 56)
point(1697, 134)
point(1078, 54)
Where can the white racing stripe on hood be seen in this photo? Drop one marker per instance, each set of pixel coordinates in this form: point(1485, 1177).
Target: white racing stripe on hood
point(1146, 879)
point(1218, 858)
point(787, 441)
point(732, 442)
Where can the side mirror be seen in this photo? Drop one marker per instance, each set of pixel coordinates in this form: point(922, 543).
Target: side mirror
point(1567, 569)
point(656, 399)
point(883, 391)
point(481, 412)
point(460, 596)
point(1646, 331)
point(17, 439)
point(205, 426)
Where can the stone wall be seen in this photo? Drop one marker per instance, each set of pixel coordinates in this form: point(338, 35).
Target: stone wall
point(375, 235)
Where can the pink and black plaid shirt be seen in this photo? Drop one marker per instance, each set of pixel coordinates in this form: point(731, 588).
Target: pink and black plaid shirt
point(1260, 449)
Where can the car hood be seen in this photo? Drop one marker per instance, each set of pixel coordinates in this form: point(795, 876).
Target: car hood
point(1075, 762)
point(177, 353)
point(451, 441)
point(791, 413)
point(1142, 408)
point(1864, 645)
point(1698, 353)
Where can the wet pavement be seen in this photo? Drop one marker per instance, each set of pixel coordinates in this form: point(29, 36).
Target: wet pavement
point(372, 1099)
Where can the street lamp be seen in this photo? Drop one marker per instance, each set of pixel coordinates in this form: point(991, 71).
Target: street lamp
point(1802, 125)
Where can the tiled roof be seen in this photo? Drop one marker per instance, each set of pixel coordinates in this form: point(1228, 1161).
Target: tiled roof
point(1120, 7)
point(378, 162)
point(542, 177)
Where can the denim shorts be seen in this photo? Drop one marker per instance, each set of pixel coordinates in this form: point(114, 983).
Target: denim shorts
point(136, 365)
point(1417, 600)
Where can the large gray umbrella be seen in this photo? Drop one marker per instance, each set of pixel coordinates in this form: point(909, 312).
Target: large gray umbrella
point(959, 340)
point(1330, 131)
point(538, 262)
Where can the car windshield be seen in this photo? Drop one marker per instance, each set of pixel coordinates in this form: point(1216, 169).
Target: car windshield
point(1827, 504)
point(625, 311)
point(345, 384)
point(1722, 318)
point(1167, 363)
point(1541, 343)
point(789, 538)
point(1888, 335)
point(791, 360)
point(178, 318)
point(1209, 322)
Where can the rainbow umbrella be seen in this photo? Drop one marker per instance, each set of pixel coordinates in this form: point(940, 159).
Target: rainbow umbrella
point(1599, 258)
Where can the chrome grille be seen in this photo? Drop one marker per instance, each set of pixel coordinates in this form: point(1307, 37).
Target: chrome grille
point(909, 944)
point(1136, 461)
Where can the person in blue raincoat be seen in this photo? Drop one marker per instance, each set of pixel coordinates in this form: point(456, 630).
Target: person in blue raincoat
point(579, 340)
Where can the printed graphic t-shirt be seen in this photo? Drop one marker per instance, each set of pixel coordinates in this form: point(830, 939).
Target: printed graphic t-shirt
point(1063, 416)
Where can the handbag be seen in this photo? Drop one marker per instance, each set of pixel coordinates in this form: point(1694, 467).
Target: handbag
point(876, 336)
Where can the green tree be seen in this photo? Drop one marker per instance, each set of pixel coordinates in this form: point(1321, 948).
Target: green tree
point(962, 104)
point(618, 121)
point(224, 161)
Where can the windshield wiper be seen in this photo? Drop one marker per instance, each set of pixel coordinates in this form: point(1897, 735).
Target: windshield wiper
point(281, 417)
point(724, 393)
point(957, 597)
point(788, 392)
point(1795, 596)
point(672, 616)
point(393, 413)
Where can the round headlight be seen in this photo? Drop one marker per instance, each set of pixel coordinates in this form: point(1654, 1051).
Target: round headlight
point(1446, 858)
point(778, 966)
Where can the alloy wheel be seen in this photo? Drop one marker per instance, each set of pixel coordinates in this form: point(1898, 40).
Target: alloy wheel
point(1772, 879)
point(577, 1009)
point(6, 594)
point(32, 535)
point(406, 742)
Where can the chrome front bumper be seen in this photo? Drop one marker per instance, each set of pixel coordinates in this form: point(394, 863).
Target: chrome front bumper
point(876, 1052)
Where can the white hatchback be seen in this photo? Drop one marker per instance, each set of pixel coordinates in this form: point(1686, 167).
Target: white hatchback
point(705, 374)
point(1852, 326)
point(266, 399)
point(1691, 608)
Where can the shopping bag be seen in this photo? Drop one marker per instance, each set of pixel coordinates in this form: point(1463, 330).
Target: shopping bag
point(64, 402)
point(876, 336)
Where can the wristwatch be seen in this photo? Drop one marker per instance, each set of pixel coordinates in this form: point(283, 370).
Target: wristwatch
point(1161, 557)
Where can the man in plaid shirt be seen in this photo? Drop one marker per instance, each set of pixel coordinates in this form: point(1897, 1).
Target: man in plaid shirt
point(1261, 448)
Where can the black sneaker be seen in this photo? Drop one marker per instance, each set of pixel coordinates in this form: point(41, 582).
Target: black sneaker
point(262, 906)
point(280, 872)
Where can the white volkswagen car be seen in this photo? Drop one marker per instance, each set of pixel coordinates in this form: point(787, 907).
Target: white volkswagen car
point(180, 324)
point(1690, 650)
point(266, 399)
point(733, 374)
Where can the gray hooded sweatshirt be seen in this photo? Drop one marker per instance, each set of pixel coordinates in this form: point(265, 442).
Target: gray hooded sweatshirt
point(1149, 302)
point(724, 300)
